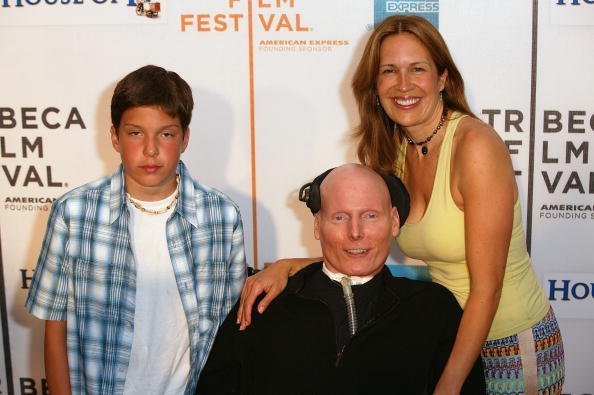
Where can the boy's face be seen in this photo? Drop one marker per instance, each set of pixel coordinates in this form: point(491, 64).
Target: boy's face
point(150, 143)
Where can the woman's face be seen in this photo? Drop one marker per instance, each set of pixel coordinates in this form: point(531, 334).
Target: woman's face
point(408, 83)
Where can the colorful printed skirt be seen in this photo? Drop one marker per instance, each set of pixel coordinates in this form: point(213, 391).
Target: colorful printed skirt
point(530, 362)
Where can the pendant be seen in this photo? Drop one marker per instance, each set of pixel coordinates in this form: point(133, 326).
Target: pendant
point(424, 150)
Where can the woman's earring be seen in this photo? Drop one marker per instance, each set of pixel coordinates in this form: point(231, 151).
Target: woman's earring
point(440, 95)
point(377, 102)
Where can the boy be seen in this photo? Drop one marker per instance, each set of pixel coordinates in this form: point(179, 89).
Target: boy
point(137, 270)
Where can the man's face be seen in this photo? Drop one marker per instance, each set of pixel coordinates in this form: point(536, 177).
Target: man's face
point(150, 143)
point(356, 222)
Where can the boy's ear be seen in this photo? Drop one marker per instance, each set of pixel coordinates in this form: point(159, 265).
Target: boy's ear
point(186, 140)
point(115, 141)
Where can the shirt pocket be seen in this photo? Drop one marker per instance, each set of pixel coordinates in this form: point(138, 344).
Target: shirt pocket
point(100, 290)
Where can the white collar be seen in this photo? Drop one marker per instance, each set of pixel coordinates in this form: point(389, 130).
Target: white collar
point(355, 280)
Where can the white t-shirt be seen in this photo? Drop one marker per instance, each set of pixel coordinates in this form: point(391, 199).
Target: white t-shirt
point(160, 356)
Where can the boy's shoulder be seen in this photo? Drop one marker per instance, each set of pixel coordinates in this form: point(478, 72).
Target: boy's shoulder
point(92, 188)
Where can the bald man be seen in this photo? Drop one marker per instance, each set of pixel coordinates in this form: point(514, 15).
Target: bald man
point(344, 325)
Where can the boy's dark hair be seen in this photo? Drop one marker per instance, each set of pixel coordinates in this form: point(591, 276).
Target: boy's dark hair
point(153, 86)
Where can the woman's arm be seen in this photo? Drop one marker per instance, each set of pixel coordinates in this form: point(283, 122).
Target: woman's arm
point(56, 358)
point(272, 281)
point(483, 182)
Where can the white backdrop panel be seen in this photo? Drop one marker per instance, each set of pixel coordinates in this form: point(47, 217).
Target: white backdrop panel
point(564, 179)
point(63, 60)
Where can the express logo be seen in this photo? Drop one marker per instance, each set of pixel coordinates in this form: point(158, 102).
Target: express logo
point(428, 9)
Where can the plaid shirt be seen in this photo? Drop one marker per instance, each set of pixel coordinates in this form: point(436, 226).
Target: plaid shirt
point(86, 275)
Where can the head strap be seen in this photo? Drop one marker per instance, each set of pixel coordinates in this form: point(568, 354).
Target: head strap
point(310, 194)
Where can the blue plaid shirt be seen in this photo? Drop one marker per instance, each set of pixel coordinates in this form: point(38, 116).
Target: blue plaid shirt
point(86, 275)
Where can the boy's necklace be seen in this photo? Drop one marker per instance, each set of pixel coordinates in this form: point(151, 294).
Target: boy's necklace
point(162, 210)
point(150, 211)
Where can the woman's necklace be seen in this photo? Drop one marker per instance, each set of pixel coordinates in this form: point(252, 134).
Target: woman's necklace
point(162, 210)
point(424, 149)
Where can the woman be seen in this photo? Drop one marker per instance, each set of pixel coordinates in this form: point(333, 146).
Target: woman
point(465, 218)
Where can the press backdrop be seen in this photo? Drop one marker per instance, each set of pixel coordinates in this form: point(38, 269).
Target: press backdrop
point(274, 108)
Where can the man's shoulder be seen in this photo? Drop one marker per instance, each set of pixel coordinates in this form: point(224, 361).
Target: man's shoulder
point(294, 286)
point(296, 282)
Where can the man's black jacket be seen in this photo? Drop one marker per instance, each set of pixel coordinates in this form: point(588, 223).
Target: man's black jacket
point(292, 347)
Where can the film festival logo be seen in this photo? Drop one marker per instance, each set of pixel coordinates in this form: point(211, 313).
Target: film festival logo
point(27, 168)
point(428, 9)
point(270, 18)
point(565, 165)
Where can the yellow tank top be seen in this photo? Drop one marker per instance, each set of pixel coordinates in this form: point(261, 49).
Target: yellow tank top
point(438, 240)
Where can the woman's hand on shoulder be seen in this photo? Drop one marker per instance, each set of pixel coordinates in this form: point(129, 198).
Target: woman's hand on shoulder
point(271, 281)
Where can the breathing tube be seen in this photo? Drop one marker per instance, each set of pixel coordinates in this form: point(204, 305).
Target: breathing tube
point(350, 304)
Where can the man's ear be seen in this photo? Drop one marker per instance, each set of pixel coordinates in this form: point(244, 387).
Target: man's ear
point(317, 225)
point(115, 141)
point(186, 140)
point(395, 222)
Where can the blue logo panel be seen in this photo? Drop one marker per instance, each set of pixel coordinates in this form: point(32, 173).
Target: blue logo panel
point(428, 9)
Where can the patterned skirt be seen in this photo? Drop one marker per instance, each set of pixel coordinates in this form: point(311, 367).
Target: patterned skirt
point(530, 362)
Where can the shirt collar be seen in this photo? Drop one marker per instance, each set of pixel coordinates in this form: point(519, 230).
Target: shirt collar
point(355, 280)
point(186, 205)
point(117, 196)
